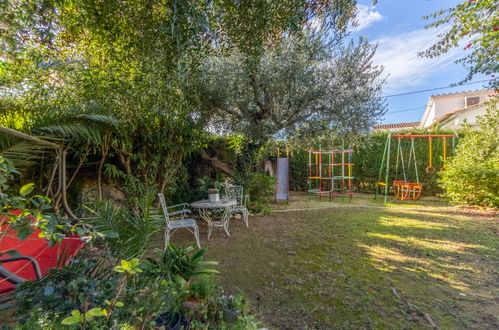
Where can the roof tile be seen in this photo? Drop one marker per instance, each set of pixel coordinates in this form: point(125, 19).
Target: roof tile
point(398, 125)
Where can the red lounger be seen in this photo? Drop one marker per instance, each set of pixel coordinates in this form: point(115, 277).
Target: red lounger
point(36, 257)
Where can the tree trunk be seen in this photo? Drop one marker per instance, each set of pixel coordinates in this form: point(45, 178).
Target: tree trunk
point(216, 163)
point(99, 172)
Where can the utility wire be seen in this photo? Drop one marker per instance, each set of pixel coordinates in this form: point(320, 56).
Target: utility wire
point(438, 88)
point(410, 109)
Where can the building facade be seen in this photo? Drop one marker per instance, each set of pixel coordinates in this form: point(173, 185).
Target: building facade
point(447, 111)
point(451, 111)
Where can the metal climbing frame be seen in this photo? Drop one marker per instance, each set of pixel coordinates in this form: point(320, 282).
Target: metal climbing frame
point(322, 166)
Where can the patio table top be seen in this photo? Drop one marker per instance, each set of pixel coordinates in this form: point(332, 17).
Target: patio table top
point(206, 204)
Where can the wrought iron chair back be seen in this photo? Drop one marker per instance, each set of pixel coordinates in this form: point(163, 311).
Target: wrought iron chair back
point(162, 202)
point(236, 193)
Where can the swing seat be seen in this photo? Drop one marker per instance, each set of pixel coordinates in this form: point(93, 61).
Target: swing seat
point(407, 190)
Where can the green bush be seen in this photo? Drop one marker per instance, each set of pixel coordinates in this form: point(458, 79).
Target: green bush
point(261, 190)
point(472, 176)
point(203, 287)
point(298, 170)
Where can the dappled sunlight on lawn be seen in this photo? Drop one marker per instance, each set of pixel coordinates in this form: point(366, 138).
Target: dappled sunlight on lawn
point(414, 242)
point(393, 260)
point(365, 267)
point(390, 259)
point(408, 222)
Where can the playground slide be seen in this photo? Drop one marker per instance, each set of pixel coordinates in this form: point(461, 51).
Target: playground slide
point(282, 189)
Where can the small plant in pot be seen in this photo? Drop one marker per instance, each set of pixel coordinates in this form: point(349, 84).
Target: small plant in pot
point(200, 290)
point(213, 195)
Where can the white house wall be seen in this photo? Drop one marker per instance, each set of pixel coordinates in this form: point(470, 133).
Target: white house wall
point(428, 121)
point(443, 105)
point(457, 120)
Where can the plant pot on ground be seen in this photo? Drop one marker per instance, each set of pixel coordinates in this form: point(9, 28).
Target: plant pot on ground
point(200, 290)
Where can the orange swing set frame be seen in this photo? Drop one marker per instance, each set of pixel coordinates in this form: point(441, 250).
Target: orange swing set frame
point(404, 189)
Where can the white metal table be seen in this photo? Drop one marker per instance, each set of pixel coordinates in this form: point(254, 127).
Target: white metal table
point(209, 210)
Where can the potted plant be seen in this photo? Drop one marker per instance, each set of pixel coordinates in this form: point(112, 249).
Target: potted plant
point(213, 195)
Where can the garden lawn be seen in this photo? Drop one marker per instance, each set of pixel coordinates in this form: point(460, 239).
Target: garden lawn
point(362, 265)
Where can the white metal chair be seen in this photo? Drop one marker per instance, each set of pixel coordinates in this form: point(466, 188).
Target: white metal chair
point(173, 225)
point(237, 193)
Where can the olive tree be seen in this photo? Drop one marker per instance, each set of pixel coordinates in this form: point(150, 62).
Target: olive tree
point(304, 83)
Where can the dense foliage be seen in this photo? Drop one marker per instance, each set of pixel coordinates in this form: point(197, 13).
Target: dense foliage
point(475, 24)
point(90, 293)
point(303, 84)
point(472, 176)
point(114, 80)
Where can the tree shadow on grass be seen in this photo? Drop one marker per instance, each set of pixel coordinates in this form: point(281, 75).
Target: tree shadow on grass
point(364, 268)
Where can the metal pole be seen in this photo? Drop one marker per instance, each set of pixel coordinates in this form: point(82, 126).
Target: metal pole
point(387, 166)
point(342, 169)
point(415, 162)
point(376, 192)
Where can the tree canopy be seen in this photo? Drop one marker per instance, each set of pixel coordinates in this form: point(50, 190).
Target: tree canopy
point(473, 24)
point(302, 83)
point(115, 79)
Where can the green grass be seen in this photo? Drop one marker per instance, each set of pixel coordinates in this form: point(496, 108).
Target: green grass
point(344, 267)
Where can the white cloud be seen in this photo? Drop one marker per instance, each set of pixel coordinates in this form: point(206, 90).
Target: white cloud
point(366, 16)
point(398, 54)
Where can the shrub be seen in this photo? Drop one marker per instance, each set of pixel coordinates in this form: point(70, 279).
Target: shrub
point(261, 188)
point(472, 176)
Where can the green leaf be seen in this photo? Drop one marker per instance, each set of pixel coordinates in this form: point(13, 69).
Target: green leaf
point(24, 232)
point(119, 304)
point(26, 189)
point(75, 318)
point(95, 312)
point(110, 234)
point(13, 253)
point(119, 269)
point(134, 262)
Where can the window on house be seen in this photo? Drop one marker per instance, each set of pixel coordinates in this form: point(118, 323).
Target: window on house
point(471, 100)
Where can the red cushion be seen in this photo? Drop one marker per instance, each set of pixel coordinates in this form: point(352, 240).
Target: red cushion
point(37, 248)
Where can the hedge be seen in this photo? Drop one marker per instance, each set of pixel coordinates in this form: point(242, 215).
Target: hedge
point(367, 158)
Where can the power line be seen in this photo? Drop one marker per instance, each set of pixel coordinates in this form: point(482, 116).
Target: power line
point(409, 109)
point(434, 89)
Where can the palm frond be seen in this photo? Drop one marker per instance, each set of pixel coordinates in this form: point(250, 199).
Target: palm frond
point(74, 132)
point(25, 154)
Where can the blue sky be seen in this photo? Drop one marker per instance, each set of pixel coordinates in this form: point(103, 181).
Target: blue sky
point(398, 28)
